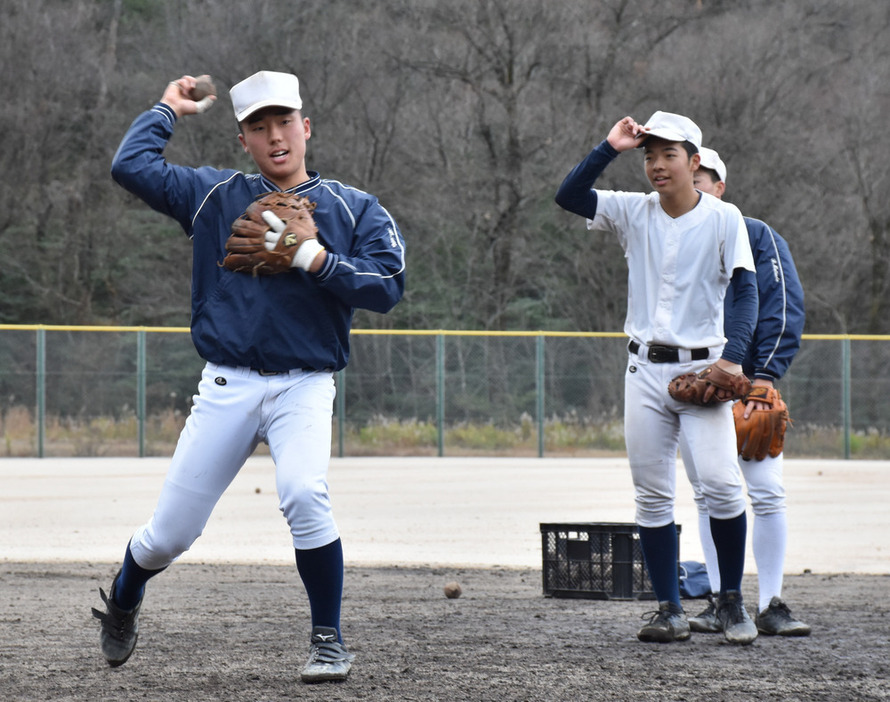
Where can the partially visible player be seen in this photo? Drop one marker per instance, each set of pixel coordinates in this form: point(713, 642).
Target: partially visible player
point(271, 344)
point(683, 250)
point(776, 340)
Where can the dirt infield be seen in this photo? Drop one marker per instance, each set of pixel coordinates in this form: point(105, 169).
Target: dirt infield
point(230, 620)
point(239, 632)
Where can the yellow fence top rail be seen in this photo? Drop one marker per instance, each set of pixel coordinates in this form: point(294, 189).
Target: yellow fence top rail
point(405, 332)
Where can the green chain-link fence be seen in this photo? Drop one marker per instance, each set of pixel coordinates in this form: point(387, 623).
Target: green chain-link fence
point(125, 391)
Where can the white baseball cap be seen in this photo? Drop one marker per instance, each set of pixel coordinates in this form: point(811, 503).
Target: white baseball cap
point(711, 159)
point(672, 127)
point(265, 89)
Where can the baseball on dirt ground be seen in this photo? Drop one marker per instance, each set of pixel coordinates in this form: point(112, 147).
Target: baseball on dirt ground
point(452, 590)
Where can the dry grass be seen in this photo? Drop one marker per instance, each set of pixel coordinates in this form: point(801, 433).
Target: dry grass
point(119, 436)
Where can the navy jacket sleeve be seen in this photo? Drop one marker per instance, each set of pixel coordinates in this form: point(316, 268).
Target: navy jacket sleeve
point(781, 313)
point(740, 328)
point(371, 274)
point(576, 193)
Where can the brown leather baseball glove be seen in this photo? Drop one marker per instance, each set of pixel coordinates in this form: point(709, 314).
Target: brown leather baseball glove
point(763, 432)
point(276, 233)
point(712, 385)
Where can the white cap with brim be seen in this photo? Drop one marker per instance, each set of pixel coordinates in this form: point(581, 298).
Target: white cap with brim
point(711, 159)
point(672, 127)
point(265, 89)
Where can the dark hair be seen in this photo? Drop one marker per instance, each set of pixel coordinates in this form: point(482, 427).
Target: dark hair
point(270, 110)
point(259, 114)
point(691, 149)
point(715, 177)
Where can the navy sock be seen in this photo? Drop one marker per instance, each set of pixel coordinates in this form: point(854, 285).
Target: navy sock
point(660, 551)
point(321, 570)
point(729, 540)
point(129, 587)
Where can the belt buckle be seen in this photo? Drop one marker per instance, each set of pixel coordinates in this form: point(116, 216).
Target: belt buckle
point(266, 373)
point(661, 354)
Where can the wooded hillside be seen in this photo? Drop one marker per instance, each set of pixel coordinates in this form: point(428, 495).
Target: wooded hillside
point(463, 117)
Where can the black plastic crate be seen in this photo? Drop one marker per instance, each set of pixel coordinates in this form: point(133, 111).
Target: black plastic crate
point(595, 561)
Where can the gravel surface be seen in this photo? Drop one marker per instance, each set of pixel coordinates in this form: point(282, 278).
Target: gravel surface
point(240, 632)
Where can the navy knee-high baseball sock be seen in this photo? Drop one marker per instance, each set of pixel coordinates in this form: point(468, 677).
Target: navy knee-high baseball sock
point(660, 551)
point(729, 541)
point(321, 570)
point(129, 587)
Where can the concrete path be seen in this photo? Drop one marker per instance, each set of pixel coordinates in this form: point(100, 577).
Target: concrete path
point(413, 511)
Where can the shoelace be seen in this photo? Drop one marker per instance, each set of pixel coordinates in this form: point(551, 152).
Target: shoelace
point(733, 611)
point(782, 610)
point(115, 625)
point(710, 610)
point(652, 617)
point(330, 652)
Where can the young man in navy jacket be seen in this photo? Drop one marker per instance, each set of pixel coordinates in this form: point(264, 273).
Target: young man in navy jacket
point(271, 344)
point(776, 340)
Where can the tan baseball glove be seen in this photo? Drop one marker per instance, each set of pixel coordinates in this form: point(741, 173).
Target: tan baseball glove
point(763, 432)
point(276, 233)
point(712, 385)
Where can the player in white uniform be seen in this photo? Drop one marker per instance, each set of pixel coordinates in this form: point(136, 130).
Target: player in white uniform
point(780, 322)
point(683, 250)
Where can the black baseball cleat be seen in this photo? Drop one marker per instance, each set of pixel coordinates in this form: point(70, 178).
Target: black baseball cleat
point(705, 622)
point(329, 661)
point(120, 628)
point(734, 619)
point(666, 625)
point(777, 619)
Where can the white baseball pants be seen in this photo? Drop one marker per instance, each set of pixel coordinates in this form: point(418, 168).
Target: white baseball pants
point(234, 410)
point(763, 480)
point(652, 422)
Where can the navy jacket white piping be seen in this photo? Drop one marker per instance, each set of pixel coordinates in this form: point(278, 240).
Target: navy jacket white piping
point(280, 322)
point(781, 313)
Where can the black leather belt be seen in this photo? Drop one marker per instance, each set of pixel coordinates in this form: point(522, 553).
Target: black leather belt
point(668, 354)
point(267, 373)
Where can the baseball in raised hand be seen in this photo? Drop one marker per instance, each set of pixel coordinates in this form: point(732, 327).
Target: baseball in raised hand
point(189, 95)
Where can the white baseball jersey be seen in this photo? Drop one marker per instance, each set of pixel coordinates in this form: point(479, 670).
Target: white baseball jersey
point(675, 294)
point(678, 272)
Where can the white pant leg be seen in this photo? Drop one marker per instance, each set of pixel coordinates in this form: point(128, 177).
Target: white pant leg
point(299, 436)
point(765, 488)
point(692, 474)
point(710, 435)
point(704, 520)
point(763, 480)
point(652, 423)
point(764, 483)
point(219, 435)
point(650, 434)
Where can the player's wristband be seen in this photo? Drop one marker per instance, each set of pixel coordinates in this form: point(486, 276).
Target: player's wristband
point(306, 254)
